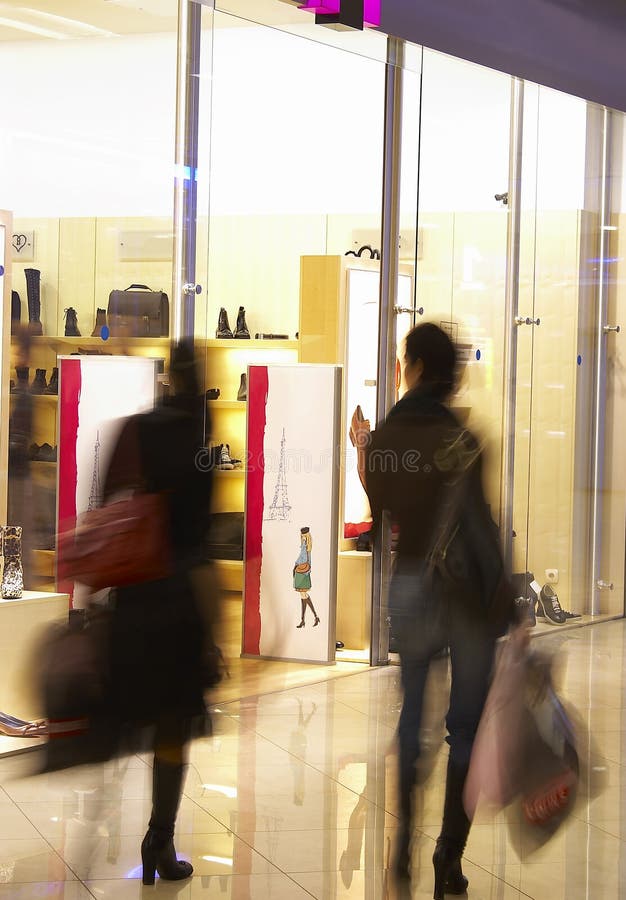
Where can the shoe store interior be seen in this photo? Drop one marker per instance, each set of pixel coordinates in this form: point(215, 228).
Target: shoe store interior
point(289, 130)
point(287, 255)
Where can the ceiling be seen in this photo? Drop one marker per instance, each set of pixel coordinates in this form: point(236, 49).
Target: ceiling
point(22, 20)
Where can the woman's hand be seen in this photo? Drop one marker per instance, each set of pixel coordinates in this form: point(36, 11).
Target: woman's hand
point(360, 432)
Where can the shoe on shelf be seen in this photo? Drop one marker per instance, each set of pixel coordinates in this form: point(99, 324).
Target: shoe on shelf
point(548, 603)
point(101, 321)
point(213, 394)
point(236, 462)
point(225, 462)
point(47, 453)
point(39, 384)
point(223, 329)
point(33, 451)
point(242, 393)
point(241, 331)
point(53, 384)
point(71, 323)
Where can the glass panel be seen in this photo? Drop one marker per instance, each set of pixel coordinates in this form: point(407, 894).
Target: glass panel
point(91, 195)
point(295, 172)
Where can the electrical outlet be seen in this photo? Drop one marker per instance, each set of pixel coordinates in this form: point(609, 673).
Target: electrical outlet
point(552, 575)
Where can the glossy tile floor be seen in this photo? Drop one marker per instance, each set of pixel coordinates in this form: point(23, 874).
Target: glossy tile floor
point(294, 797)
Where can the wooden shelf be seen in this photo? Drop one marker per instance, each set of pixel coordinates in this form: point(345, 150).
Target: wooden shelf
point(227, 404)
point(60, 341)
point(234, 344)
point(230, 472)
point(40, 398)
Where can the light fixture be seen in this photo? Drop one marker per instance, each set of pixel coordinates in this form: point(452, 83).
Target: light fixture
point(62, 20)
point(33, 29)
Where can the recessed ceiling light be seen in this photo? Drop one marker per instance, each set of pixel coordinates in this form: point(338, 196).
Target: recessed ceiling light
point(33, 29)
point(62, 20)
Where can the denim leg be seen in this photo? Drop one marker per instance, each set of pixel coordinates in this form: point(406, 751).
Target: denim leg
point(414, 674)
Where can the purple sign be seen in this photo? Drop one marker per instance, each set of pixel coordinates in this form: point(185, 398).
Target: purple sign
point(357, 13)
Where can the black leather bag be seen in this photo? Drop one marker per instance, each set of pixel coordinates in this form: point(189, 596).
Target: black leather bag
point(139, 312)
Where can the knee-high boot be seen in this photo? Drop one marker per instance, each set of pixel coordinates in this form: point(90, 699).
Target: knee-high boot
point(451, 842)
point(157, 850)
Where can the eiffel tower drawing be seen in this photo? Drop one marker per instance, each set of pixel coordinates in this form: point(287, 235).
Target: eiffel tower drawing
point(95, 496)
point(280, 508)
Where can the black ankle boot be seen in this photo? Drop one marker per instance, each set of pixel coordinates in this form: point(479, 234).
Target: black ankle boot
point(16, 311)
point(223, 327)
point(451, 842)
point(242, 393)
point(241, 331)
point(101, 320)
point(33, 295)
point(39, 382)
point(53, 384)
point(157, 849)
point(23, 375)
point(71, 323)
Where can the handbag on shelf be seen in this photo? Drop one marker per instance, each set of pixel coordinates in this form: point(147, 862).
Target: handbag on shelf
point(138, 311)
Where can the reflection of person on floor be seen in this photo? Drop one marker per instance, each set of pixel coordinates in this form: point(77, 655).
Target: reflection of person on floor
point(297, 749)
point(302, 575)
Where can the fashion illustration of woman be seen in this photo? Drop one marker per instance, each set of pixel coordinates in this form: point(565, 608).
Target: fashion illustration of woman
point(302, 575)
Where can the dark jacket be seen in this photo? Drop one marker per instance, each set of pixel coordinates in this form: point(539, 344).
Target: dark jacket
point(157, 632)
point(413, 455)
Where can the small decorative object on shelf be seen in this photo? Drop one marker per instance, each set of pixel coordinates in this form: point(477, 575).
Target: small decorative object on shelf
point(241, 331)
point(223, 329)
point(71, 323)
point(213, 393)
point(39, 384)
point(33, 295)
point(12, 574)
point(23, 375)
point(53, 384)
point(101, 322)
point(242, 393)
point(265, 336)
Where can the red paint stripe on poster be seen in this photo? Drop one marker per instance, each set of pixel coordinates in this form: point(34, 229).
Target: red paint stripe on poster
point(258, 383)
point(69, 400)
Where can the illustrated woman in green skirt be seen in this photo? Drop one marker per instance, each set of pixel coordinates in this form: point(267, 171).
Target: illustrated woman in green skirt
point(302, 575)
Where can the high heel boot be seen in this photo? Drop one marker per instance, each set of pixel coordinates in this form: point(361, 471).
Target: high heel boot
point(241, 331)
point(157, 849)
point(33, 295)
point(449, 878)
point(223, 329)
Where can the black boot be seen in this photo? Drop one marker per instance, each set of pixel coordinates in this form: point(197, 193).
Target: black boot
point(223, 328)
point(241, 331)
point(33, 294)
point(53, 384)
point(16, 311)
point(242, 393)
point(39, 382)
point(71, 323)
point(23, 375)
point(449, 878)
point(101, 320)
point(157, 849)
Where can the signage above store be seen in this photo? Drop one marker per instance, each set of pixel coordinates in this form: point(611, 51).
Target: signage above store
point(351, 13)
point(575, 46)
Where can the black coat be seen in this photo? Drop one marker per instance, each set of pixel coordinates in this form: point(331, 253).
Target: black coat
point(157, 635)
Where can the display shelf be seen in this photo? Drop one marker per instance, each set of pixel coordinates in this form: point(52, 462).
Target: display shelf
point(235, 344)
point(227, 404)
point(61, 341)
point(230, 574)
point(230, 472)
point(39, 398)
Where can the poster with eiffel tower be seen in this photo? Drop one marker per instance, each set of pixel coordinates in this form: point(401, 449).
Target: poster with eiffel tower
point(291, 512)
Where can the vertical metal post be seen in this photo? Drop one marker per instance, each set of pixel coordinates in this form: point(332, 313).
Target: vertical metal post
point(599, 412)
point(390, 255)
point(511, 303)
point(186, 168)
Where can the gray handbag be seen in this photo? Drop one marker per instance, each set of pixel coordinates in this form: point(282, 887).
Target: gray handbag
point(139, 312)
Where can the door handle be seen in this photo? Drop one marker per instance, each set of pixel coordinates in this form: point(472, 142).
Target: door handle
point(526, 320)
point(419, 310)
point(607, 329)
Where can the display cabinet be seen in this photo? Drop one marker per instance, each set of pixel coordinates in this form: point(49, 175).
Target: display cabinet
point(339, 307)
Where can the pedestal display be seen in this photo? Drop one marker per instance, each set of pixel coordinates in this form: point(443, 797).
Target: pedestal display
point(22, 623)
point(292, 486)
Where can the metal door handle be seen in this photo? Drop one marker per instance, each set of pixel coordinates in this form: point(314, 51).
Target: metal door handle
point(419, 310)
point(192, 288)
point(526, 320)
point(605, 585)
point(611, 328)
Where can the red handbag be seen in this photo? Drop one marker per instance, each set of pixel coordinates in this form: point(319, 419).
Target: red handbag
point(122, 543)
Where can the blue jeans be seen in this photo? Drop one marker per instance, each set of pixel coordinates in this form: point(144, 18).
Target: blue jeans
point(424, 625)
